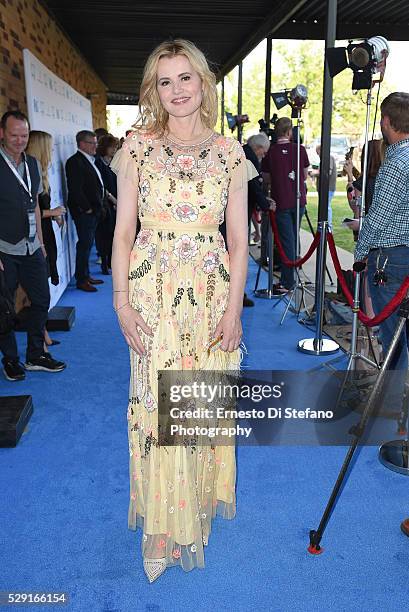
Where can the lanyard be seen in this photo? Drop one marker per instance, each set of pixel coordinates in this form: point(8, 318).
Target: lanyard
point(17, 175)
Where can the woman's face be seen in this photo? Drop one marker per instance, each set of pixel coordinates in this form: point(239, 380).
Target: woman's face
point(179, 86)
point(111, 151)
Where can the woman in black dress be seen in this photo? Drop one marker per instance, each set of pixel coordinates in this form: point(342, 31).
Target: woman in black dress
point(106, 149)
point(40, 147)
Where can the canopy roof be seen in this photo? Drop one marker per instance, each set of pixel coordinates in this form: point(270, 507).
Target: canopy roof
point(115, 36)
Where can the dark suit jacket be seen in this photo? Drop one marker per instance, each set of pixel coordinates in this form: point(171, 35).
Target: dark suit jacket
point(84, 187)
point(256, 197)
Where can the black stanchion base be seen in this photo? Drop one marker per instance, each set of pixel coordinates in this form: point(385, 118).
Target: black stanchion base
point(395, 456)
point(15, 413)
point(324, 347)
point(60, 318)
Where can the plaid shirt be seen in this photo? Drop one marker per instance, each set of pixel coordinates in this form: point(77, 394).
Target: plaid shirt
point(387, 221)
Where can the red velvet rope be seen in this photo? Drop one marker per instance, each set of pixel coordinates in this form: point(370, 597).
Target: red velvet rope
point(287, 262)
point(387, 310)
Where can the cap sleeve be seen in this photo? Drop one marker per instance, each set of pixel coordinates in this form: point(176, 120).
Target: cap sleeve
point(241, 170)
point(126, 161)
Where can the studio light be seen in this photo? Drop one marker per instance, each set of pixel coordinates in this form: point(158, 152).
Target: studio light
point(297, 98)
point(234, 121)
point(364, 57)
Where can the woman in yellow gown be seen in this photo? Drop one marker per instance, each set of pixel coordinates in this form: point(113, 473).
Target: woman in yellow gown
point(176, 290)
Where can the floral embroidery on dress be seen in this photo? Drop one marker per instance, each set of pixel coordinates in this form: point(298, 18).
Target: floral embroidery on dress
point(185, 213)
point(179, 283)
point(210, 261)
point(185, 248)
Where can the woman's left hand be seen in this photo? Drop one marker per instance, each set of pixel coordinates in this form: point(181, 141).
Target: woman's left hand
point(229, 327)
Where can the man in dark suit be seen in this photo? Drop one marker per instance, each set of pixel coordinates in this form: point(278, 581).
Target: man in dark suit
point(85, 197)
point(255, 149)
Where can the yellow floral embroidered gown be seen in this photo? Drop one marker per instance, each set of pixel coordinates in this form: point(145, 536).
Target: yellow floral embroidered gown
point(179, 282)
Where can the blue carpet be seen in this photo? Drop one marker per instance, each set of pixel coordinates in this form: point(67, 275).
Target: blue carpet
point(64, 501)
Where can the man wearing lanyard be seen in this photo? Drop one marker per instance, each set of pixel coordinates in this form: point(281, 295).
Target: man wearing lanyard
point(384, 238)
point(85, 199)
point(22, 254)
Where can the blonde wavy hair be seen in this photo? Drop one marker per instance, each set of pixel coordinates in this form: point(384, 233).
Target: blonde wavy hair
point(39, 146)
point(153, 117)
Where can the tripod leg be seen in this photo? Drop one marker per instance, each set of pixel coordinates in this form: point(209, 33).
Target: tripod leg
point(257, 278)
point(288, 305)
point(357, 431)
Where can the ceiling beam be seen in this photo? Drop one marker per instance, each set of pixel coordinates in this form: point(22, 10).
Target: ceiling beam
point(316, 31)
point(273, 21)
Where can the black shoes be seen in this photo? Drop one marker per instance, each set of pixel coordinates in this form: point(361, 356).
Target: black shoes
point(13, 370)
point(45, 363)
point(247, 302)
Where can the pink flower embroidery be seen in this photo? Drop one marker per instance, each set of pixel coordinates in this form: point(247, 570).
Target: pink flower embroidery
point(207, 218)
point(185, 213)
point(182, 504)
point(210, 261)
point(157, 496)
point(220, 242)
point(185, 162)
point(187, 362)
point(164, 216)
point(176, 553)
point(185, 248)
point(144, 238)
point(161, 544)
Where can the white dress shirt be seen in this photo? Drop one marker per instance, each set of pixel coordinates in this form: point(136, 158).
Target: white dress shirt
point(91, 160)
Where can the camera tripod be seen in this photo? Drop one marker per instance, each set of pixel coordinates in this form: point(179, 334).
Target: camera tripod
point(358, 430)
point(353, 354)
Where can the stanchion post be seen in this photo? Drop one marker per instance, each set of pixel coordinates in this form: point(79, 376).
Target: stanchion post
point(320, 287)
point(318, 345)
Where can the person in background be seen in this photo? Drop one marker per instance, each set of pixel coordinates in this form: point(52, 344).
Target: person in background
point(376, 154)
point(40, 147)
point(255, 149)
point(100, 132)
point(85, 199)
point(22, 252)
point(279, 171)
point(106, 149)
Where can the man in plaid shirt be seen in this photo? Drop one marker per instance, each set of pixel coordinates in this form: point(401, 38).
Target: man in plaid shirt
point(384, 237)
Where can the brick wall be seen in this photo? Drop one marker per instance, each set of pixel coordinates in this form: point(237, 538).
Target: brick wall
point(25, 24)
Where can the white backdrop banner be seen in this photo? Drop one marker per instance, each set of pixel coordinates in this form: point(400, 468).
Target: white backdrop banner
point(55, 107)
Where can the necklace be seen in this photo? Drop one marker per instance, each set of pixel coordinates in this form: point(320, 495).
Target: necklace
point(186, 143)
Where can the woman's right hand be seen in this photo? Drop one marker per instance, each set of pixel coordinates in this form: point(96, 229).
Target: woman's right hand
point(130, 320)
point(58, 211)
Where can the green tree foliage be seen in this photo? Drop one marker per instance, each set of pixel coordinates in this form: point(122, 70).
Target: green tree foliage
point(299, 62)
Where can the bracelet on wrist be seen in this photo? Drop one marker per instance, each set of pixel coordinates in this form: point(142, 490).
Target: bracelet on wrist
point(123, 306)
